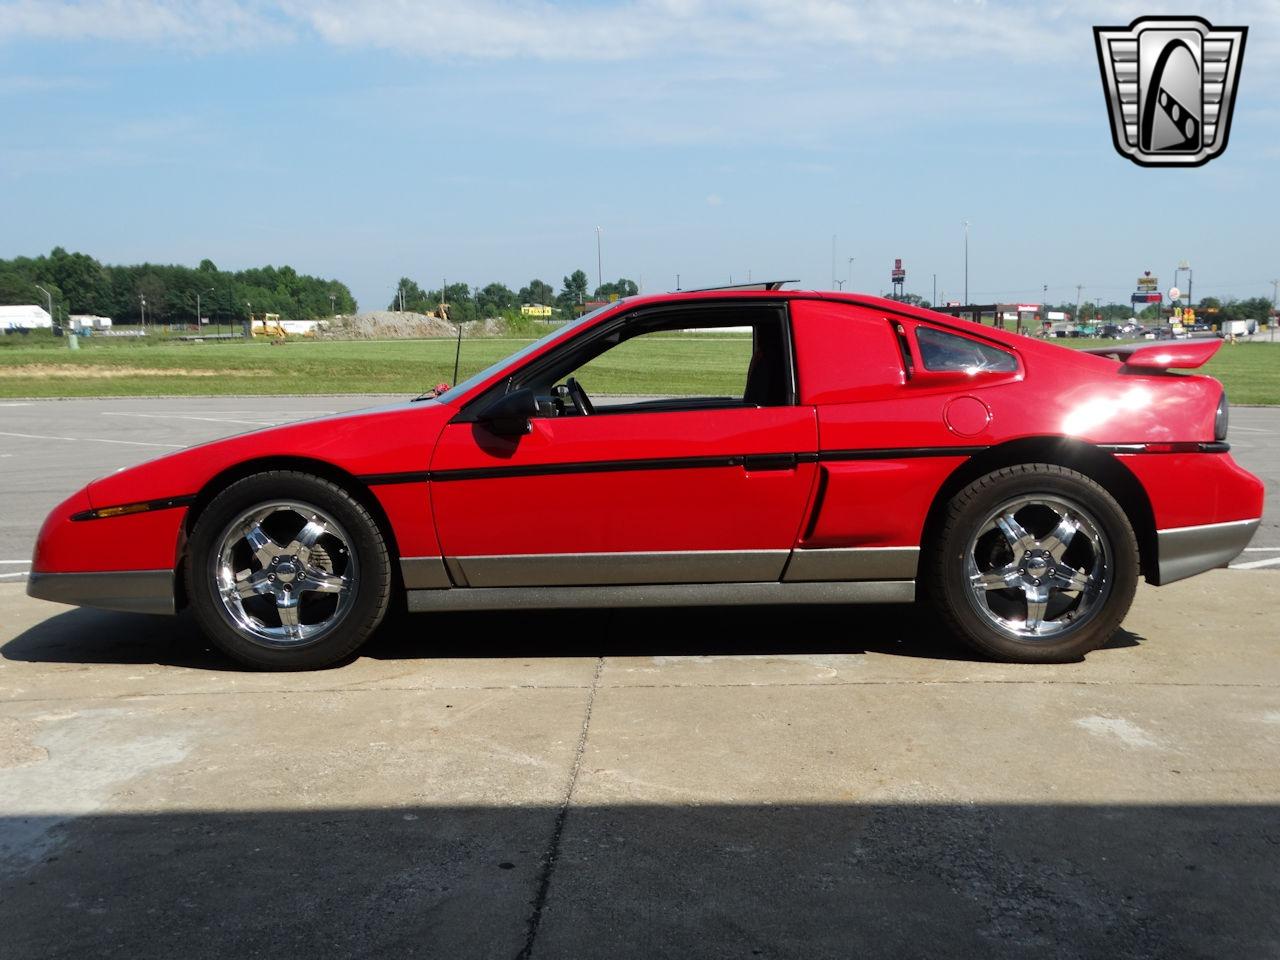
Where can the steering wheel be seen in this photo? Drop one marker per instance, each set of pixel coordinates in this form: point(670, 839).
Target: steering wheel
point(580, 398)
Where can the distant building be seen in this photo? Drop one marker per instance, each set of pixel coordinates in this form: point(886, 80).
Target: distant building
point(88, 321)
point(28, 317)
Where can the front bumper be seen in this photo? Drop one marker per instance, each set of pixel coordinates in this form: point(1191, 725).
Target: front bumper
point(133, 591)
point(1186, 551)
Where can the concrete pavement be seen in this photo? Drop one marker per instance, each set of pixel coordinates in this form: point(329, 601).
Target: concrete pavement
point(800, 782)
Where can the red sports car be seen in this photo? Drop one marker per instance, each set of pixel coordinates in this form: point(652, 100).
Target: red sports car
point(869, 452)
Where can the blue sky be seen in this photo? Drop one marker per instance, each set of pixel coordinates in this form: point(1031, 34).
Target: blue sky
point(369, 139)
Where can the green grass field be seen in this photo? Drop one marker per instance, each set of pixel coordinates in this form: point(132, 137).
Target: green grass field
point(702, 365)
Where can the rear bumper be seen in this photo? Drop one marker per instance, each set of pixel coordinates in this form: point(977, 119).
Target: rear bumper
point(1186, 551)
point(133, 591)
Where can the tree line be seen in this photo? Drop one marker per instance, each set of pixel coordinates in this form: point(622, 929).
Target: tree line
point(77, 283)
point(468, 303)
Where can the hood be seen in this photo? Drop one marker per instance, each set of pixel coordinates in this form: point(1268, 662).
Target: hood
point(392, 439)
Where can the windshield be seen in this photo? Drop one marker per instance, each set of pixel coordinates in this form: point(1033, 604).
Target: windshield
point(456, 391)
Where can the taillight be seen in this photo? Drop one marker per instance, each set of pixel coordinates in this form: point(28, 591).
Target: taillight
point(1221, 418)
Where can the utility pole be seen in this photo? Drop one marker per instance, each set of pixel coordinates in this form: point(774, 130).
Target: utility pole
point(1275, 285)
point(142, 299)
point(48, 299)
point(1079, 287)
point(935, 290)
point(599, 262)
point(966, 260)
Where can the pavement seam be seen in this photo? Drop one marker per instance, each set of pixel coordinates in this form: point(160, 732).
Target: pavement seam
point(553, 849)
point(655, 686)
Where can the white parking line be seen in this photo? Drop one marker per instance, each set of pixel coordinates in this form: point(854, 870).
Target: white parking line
point(179, 416)
point(129, 443)
point(1262, 549)
point(12, 576)
point(1255, 564)
point(15, 404)
point(10, 563)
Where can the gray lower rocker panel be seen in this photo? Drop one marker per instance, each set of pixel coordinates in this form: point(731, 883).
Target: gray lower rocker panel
point(854, 563)
point(424, 573)
point(596, 569)
point(133, 591)
point(1186, 551)
point(660, 595)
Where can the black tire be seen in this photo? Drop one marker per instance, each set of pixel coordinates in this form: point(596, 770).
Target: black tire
point(1044, 487)
point(366, 563)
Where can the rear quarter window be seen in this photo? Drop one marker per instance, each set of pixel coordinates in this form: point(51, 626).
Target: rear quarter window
point(950, 352)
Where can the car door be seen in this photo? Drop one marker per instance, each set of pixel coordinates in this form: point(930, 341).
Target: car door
point(666, 488)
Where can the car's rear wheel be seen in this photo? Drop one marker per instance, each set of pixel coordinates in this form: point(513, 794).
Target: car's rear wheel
point(287, 571)
point(1034, 563)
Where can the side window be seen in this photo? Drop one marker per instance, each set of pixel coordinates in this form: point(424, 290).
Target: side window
point(707, 357)
point(672, 363)
point(941, 351)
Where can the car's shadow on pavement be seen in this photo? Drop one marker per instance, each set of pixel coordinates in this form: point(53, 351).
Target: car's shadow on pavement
point(97, 636)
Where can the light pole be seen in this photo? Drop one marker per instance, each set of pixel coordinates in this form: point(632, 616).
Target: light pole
point(966, 261)
point(48, 299)
point(142, 299)
point(833, 259)
point(599, 262)
point(198, 318)
point(850, 276)
point(935, 289)
point(1079, 287)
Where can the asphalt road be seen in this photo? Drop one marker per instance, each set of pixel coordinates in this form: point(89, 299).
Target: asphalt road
point(776, 783)
point(49, 448)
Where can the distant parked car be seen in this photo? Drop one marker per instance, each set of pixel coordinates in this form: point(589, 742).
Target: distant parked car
point(871, 451)
point(1110, 331)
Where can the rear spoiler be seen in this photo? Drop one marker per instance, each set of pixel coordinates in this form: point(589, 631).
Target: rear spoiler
point(1169, 355)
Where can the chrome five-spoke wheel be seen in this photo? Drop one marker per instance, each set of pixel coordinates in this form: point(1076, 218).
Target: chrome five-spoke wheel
point(1036, 566)
point(286, 570)
point(1034, 563)
point(286, 573)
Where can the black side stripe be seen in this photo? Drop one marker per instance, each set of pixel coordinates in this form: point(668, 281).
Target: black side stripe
point(750, 461)
point(901, 453)
point(386, 479)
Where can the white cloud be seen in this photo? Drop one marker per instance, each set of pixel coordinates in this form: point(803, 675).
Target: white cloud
point(209, 23)
point(715, 200)
point(966, 31)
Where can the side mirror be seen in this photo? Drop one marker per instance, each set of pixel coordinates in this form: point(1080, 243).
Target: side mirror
point(508, 415)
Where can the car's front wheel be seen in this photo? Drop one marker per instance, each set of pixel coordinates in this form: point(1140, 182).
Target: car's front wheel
point(1034, 563)
point(287, 571)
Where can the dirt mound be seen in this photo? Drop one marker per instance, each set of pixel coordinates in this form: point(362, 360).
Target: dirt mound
point(388, 325)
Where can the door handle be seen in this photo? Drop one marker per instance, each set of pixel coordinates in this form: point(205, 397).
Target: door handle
point(754, 463)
